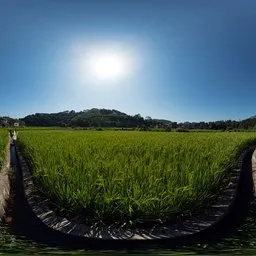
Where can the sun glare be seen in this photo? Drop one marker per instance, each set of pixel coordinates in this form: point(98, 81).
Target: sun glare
point(105, 63)
point(101, 64)
point(107, 66)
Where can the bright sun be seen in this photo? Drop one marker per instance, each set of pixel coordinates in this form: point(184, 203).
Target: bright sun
point(107, 65)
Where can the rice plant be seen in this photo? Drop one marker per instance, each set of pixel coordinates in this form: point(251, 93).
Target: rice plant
point(117, 176)
point(3, 144)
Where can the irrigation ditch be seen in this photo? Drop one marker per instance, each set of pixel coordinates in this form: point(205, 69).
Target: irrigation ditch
point(32, 218)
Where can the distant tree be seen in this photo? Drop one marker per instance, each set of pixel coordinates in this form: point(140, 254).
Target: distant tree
point(137, 116)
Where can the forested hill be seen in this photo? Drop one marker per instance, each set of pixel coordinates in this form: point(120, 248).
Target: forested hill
point(249, 123)
point(92, 118)
point(114, 118)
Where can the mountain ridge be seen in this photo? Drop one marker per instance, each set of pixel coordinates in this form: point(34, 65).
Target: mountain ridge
point(101, 117)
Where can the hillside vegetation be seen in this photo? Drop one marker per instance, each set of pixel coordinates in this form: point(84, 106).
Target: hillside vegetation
point(97, 118)
point(88, 118)
point(114, 118)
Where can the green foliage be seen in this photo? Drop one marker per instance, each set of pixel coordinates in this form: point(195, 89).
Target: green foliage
point(182, 130)
point(3, 144)
point(113, 118)
point(119, 176)
point(92, 118)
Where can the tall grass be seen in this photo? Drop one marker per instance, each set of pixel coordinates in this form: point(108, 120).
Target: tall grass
point(3, 144)
point(127, 176)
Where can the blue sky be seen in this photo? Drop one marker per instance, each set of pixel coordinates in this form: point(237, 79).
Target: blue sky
point(192, 60)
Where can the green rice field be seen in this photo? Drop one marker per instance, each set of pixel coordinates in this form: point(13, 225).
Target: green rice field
point(131, 177)
point(3, 144)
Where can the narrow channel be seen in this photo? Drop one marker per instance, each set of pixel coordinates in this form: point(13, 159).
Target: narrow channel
point(25, 236)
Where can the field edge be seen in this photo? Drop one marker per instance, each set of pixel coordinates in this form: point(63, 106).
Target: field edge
point(196, 224)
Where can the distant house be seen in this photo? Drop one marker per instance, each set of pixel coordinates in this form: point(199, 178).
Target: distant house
point(16, 124)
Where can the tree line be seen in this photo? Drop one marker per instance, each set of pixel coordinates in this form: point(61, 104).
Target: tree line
point(114, 118)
